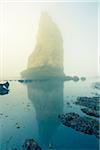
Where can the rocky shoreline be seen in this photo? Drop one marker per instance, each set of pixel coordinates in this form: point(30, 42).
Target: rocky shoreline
point(84, 124)
point(91, 105)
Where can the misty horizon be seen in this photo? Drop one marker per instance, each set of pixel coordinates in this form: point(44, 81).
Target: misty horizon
point(78, 24)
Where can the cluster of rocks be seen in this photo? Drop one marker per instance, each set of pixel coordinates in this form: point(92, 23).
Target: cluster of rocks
point(4, 88)
point(82, 124)
point(91, 105)
point(90, 102)
point(74, 78)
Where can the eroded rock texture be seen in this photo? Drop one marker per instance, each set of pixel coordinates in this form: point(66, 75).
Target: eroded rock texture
point(81, 124)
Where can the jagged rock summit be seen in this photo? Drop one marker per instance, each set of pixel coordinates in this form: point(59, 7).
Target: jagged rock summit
point(46, 60)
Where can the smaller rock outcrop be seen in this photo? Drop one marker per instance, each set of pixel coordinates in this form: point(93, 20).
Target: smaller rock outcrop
point(83, 78)
point(75, 78)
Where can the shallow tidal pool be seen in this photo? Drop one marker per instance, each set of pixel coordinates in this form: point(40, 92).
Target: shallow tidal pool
point(30, 110)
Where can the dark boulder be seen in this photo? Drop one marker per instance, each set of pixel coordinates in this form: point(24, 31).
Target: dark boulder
point(83, 78)
point(75, 78)
point(4, 88)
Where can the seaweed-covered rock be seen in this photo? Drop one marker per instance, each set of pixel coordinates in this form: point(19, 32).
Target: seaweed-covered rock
point(90, 102)
point(82, 124)
point(91, 112)
point(30, 144)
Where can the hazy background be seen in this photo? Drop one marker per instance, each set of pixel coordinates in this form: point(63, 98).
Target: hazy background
point(78, 22)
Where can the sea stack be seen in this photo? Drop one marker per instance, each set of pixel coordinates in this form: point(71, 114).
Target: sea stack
point(46, 61)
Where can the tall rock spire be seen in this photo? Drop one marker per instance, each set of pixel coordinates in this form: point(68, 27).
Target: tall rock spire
point(47, 57)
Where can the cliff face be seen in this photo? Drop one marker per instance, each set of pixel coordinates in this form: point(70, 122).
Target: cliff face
point(47, 57)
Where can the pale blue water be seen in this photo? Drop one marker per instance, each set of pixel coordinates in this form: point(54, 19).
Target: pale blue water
point(35, 108)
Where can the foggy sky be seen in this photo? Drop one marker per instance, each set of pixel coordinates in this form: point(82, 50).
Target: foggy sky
point(78, 23)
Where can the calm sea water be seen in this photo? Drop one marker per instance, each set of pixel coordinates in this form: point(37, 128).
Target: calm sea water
point(31, 111)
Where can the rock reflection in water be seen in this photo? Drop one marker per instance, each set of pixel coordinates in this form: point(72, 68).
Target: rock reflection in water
point(47, 99)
